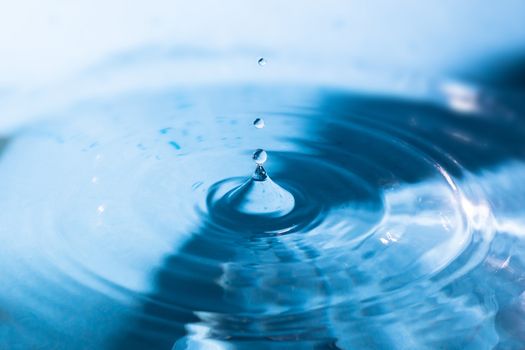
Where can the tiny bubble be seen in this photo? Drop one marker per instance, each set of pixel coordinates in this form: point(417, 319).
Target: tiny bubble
point(261, 62)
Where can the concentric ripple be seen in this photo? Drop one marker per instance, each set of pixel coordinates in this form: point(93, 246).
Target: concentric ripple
point(123, 216)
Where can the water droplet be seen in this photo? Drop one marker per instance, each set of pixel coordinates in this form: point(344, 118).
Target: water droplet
point(260, 156)
point(261, 62)
point(258, 123)
point(174, 145)
point(259, 174)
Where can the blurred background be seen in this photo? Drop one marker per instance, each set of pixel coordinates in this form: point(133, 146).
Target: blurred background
point(54, 52)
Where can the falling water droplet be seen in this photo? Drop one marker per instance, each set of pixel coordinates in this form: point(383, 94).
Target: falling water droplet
point(261, 62)
point(259, 174)
point(260, 156)
point(258, 123)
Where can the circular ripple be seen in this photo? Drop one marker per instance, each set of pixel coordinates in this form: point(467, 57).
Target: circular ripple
point(133, 207)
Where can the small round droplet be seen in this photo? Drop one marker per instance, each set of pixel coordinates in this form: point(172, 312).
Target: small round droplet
point(259, 174)
point(260, 156)
point(258, 123)
point(261, 62)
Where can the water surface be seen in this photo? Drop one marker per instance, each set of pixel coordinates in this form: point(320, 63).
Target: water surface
point(406, 231)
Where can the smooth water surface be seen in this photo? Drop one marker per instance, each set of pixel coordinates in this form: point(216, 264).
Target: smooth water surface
point(404, 230)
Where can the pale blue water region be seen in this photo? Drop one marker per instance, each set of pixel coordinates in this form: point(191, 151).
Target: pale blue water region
point(377, 222)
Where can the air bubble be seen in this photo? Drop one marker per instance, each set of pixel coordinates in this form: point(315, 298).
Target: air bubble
point(261, 62)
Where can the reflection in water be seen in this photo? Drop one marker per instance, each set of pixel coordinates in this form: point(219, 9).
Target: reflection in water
point(404, 234)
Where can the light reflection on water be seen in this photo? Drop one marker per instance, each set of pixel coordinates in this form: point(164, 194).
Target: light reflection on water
point(407, 231)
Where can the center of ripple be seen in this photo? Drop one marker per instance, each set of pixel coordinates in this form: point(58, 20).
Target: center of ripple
point(297, 200)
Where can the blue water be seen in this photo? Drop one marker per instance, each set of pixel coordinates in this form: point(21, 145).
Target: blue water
point(121, 227)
